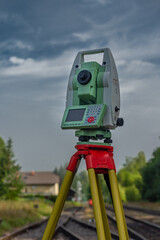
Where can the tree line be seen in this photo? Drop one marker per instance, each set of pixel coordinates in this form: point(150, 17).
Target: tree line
point(138, 179)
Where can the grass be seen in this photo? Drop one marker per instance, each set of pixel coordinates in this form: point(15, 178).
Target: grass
point(15, 214)
point(69, 204)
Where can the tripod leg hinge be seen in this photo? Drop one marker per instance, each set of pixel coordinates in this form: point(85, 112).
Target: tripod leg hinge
point(75, 161)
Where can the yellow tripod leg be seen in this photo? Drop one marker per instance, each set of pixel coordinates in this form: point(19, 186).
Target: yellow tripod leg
point(121, 223)
point(96, 204)
point(103, 210)
point(58, 206)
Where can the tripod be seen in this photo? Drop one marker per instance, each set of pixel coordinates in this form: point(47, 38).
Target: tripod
point(99, 160)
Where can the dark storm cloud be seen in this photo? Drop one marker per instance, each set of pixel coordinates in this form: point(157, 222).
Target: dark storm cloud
point(49, 27)
point(41, 24)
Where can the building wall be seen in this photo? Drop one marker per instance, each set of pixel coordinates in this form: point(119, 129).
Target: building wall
point(56, 189)
point(41, 189)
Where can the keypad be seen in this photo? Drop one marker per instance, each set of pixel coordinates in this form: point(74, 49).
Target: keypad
point(93, 111)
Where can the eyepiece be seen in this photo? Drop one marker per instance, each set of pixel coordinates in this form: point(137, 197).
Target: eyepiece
point(84, 77)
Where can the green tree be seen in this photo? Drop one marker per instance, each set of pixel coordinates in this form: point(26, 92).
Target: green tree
point(83, 178)
point(130, 178)
point(132, 193)
point(122, 193)
point(61, 171)
point(151, 177)
point(2, 147)
point(10, 180)
point(135, 163)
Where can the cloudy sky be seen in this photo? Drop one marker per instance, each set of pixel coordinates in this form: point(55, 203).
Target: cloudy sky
point(38, 43)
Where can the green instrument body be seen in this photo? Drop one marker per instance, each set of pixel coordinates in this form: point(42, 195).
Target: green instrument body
point(93, 96)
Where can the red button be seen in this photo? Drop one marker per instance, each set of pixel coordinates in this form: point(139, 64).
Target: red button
point(90, 119)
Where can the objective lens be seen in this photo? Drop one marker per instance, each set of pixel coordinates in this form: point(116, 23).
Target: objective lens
point(84, 77)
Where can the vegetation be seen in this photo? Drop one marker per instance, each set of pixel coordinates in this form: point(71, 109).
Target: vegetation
point(140, 179)
point(10, 181)
point(130, 178)
point(151, 177)
point(17, 213)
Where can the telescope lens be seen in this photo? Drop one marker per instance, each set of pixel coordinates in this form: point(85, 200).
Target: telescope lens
point(84, 77)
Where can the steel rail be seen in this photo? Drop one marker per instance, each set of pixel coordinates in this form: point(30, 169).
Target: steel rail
point(67, 232)
point(131, 230)
point(150, 224)
point(91, 226)
point(139, 209)
point(132, 233)
point(23, 229)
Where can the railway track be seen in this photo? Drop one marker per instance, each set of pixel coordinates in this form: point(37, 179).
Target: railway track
point(69, 228)
point(138, 229)
point(143, 214)
point(74, 224)
point(78, 230)
point(143, 210)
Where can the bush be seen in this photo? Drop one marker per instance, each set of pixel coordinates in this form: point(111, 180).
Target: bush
point(52, 198)
point(122, 193)
point(132, 193)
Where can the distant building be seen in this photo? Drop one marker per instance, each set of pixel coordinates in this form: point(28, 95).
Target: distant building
point(40, 183)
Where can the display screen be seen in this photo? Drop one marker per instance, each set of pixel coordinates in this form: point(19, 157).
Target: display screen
point(75, 115)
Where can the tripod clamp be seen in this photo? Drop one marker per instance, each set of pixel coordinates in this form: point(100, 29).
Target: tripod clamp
point(98, 157)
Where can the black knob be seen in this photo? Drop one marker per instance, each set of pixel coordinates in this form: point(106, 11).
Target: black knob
point(117, 109)
point(120, 122)
point(83, 138)
point(108, 140)
point(84, 77)
point(99, 136)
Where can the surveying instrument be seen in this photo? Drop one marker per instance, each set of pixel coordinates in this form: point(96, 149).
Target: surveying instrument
point(93, 107)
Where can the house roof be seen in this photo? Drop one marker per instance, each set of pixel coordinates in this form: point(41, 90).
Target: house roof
point(39, 178)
